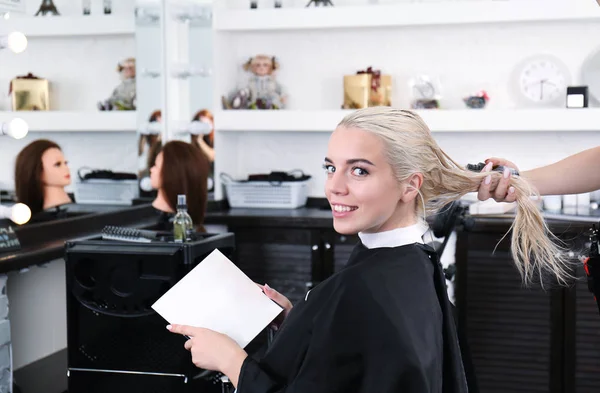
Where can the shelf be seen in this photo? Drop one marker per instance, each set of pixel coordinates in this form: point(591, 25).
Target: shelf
point(66, 26)
point(58, 121)
point(407, 14)
point(473, 120)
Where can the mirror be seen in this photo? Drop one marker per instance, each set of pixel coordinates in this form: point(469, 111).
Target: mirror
point(174, 81)
point(150, 80)
point(201, 86)
point(590, 76)
point(75, 85)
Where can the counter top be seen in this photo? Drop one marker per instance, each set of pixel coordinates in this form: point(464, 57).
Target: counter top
point(44, 242)
point(303, 217)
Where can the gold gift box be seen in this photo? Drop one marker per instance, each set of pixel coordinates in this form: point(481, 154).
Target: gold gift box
point(358, 91)
point(29, 94)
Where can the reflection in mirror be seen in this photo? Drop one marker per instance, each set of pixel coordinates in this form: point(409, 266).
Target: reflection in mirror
point(149, 85)
point(79, 109)
point(41, 175)
point(201, 86)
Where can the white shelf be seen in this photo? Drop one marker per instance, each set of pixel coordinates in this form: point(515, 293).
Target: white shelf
point(65, 26)
point(59, 121)
point(407, 14)
point(438, 120)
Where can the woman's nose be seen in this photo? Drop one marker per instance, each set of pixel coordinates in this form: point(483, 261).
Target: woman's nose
point(336, 184)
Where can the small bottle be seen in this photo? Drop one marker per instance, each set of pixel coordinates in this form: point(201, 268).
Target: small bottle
point(182, 223)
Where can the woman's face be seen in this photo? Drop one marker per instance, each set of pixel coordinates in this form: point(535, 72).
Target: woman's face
point(361, 188)
point(155, 179)
point(55, 171)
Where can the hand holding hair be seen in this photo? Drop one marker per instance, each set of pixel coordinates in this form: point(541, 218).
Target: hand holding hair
point(502, 191)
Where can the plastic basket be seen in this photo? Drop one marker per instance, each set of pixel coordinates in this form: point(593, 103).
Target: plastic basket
point(265, 194)
point(106, 191)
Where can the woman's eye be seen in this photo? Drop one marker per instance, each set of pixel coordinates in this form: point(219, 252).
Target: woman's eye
point(329, 168)
point(359, 172)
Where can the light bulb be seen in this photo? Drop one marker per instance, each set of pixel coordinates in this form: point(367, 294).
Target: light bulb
point(17, 128)
point(199, 128)
point(17, 42)
point(19, 213)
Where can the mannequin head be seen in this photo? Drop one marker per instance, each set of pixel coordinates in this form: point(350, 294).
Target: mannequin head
point(181, 168)
point(205, 116)
point(41, 173)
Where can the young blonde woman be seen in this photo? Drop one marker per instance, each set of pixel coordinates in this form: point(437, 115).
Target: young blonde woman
point(383, 323)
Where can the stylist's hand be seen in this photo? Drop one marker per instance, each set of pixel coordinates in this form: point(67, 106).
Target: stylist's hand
point(501, 192)
point(279, 299)
point(211, 350)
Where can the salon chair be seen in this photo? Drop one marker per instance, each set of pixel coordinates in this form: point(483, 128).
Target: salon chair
point(116, 342)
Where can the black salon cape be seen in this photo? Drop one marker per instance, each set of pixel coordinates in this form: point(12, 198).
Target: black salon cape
point(383, 324)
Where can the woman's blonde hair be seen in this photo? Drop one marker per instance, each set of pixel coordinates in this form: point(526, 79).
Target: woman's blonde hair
point(410, 148)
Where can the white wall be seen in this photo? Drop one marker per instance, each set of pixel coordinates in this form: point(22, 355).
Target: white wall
point(466, 58)
point(38, 312)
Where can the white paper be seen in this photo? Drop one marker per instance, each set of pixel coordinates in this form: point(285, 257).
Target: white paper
point(217, 295)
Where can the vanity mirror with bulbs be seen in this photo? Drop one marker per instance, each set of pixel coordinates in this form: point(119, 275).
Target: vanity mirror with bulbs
point(174, 41)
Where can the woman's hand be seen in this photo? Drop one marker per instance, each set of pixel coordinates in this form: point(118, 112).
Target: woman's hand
point(212, 350)
point(279, 299)
point(502, 192)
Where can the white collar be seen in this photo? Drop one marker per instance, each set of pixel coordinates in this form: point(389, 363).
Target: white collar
point(395, 237)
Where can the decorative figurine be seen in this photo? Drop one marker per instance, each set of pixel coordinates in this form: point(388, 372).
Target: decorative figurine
point(123, 97)
point(477, 101)
point(46, 7)
point(318, 3)
point(261, 90)
point(425, 93)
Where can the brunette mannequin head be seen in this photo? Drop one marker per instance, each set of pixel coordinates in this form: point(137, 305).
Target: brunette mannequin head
point(41, 174)
point(181, 168)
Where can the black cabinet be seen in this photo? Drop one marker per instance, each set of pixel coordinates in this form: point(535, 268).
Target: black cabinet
point(525, 339)
point(290, 260)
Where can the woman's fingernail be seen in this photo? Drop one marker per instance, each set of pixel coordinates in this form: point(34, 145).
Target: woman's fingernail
point(268, 287)
point(506, 173)
point(488, 167)
point(488, 179)
point(169, 327)
point(511, 190)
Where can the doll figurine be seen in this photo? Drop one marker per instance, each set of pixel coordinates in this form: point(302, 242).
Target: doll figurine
point(123, 97)
point(261, 90)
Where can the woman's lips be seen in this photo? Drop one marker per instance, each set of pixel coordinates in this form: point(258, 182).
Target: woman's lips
point(340, 210)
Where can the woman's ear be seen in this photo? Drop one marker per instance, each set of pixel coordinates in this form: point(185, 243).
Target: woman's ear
point(413, 185)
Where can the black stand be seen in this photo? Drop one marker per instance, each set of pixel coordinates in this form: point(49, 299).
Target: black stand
point(452, 215)
point(46, 7)
point(591, 266)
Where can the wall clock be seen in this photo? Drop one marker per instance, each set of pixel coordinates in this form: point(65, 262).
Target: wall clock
point(540, 80)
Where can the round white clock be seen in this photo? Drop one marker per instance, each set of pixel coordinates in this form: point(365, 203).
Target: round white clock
point(541, 80)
